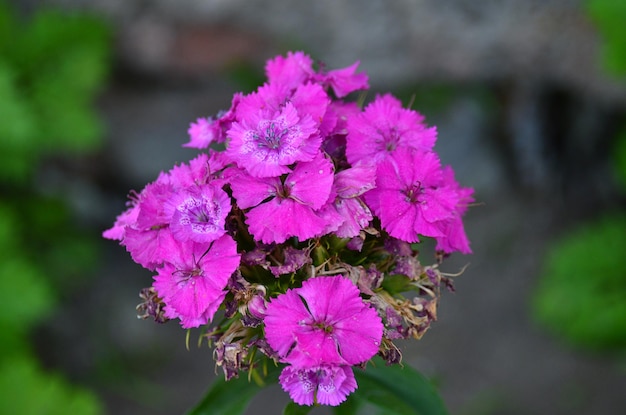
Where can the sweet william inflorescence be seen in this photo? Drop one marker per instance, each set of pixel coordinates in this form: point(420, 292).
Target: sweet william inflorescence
point(302, 231)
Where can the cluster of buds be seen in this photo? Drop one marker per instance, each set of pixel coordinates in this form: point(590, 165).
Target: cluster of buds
point(294, 234)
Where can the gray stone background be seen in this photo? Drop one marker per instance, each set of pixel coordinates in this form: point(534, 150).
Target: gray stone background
point(525, 116)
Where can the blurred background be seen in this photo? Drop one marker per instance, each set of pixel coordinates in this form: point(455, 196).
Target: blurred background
point(529, 98)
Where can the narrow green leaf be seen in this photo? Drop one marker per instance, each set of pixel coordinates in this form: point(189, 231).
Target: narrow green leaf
point(293, 408)
point(398, 390)
point(232, 397)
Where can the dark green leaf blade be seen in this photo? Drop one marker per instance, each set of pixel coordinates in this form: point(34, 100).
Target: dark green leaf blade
point(399, 390)
point(232, 397)
point(293, 408)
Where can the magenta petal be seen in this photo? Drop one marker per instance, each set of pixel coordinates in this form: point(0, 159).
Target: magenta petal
point(290, 70)
point(335, 384)
point(150, 248)
point(282, 320)
point(383, 127)
point(357, 329)
point(277, 220)
point(191, 297)
point(199, 213)
point(300, 384)
point(193, 283)
point(264, 143)
point(355, 181)
point(343, 81)
point(311, 99)
point(311, 182)
point(314, 348)
point(201, 133)
point(356, 217)
point(250, 191)
point(326, 385)
point(126, 218)
point(323, 322)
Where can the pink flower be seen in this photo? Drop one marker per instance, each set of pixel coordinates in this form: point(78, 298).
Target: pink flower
point(201, 133)
point(294, 69)
point(192, 282)
point(206, 131)
point(185, 203)
point(353, 215)
point(198, 213)
point(147, 238)
point(344, 81)
point(454, 238)
point(124, 219)
point(383, 127)
point(325, 322)
point(265, 143)
point(411, 197)
point(325, 385)
point(282, 209)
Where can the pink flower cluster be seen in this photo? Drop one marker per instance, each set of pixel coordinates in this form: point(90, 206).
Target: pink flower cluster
point(301, 165)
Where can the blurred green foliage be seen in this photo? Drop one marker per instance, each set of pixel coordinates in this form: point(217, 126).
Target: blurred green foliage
point(582, 292)
point(609, 17)
point(51, 66)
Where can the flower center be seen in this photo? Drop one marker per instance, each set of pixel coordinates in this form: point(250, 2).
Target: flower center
point(413, 192)
point(323, 326)
point(391, 139)
point(201, 215)
point(270, 134)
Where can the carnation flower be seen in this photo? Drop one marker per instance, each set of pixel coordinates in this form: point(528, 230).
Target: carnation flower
point(206, 131)
point(198, 213)
point(325, 385)
point(411, 198)
point(266, 143)
point(192, 282)
point(344, 81)
point(325, 322)
point(201, 133)
point(454, 238)
point(299, 227)
point(383, 127)
point(291, 70)
point(351, 213)
point(282, 209)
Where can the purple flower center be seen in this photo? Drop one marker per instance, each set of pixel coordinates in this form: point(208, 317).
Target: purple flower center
point(202, 215)
point(323, 326)
point(413, 192)
point(272, 134)
point(184, 275)
point(391, 138)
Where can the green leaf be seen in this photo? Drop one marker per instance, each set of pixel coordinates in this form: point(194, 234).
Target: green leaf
point(397, 283)
point(398, 390)
point(233, 397)
point(293, 408)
